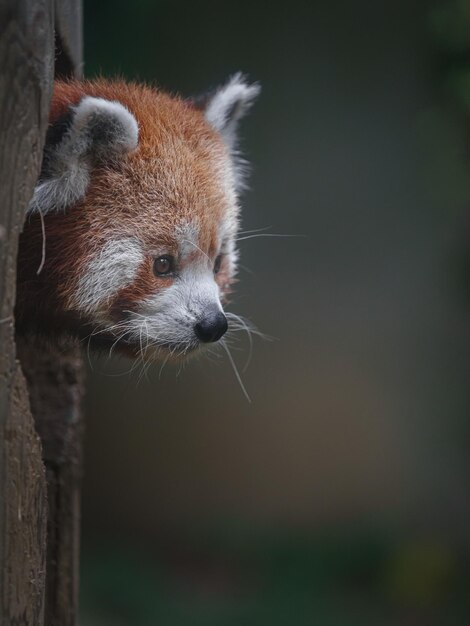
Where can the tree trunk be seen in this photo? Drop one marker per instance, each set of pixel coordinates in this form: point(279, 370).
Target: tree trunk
point(38, 576)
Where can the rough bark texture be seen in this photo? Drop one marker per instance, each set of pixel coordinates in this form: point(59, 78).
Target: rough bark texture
point(55, 383)
point(54, 375)
point(26, 62)
point(24, 530)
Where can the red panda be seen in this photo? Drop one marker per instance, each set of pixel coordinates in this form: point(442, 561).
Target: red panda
point(130, 237)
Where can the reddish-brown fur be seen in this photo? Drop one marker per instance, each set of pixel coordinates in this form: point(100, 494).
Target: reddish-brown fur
point(174, 175)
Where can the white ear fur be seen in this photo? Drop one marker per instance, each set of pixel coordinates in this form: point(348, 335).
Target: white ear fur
point(98, 130)
point(229, 104)
point(108, 122)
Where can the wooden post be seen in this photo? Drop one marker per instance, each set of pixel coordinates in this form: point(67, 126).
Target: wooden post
point(55, 385)
point(38, 582)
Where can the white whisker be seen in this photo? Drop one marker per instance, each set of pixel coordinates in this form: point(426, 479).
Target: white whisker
point(237, 318)
point(197, 247)
point(117, 341)
point(43, 248)
point(255, 230)
point(235, 370)
point(163, 365)
point(268, 235)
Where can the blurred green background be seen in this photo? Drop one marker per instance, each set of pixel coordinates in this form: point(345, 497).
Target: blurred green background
point(340, 495)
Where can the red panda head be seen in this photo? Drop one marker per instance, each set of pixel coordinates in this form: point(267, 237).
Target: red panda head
point(136, 214)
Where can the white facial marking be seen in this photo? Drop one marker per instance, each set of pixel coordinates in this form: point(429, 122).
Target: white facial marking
point(115, 267)
point(227, 236)
point(187, 235)
point(171, 314)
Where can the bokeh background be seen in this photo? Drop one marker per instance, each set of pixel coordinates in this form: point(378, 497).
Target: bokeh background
point(340, 495)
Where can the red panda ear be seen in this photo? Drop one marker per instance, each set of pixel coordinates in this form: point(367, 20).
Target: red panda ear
point(96, 130)
point(224, 108)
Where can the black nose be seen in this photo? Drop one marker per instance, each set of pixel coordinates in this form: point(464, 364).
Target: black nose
point(212, 327)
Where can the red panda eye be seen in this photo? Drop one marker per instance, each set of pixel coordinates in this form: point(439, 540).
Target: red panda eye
point(163, 265)
point(217, 264)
